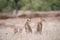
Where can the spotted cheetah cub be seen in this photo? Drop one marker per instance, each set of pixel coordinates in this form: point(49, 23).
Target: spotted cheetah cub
point(27, 26)
point(39, 26)
point(17, 29)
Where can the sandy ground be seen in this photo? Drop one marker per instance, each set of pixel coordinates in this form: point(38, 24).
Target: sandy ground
point(50, 30)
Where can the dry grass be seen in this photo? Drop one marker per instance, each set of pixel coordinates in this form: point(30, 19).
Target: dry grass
point(14, 29)
point(50, 29)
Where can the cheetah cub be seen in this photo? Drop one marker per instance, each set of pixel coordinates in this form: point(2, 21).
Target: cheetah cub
point(27, 26)
point(39, 26)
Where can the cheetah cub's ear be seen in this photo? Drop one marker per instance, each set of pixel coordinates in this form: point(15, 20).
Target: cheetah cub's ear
point(27, 26)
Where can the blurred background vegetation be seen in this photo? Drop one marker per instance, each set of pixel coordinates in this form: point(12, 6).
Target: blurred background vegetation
point(36, 5)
